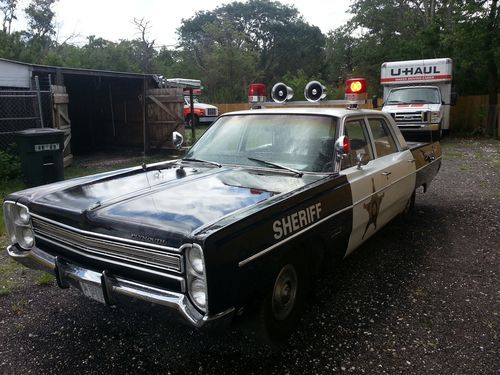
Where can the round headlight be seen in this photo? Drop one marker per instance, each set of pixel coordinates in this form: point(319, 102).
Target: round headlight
point(198, 292)
point(24, 216)
point(26, 238)
point(196, 261)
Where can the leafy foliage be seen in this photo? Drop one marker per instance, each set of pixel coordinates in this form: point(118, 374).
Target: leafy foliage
point(10, 165)
point(267, 41)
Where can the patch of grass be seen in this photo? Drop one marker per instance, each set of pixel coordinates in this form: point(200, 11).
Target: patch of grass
point(19, 306)
point(464, 167)
point(452, 155)
point(198, 133)
point(8, 269)
point(45, 279)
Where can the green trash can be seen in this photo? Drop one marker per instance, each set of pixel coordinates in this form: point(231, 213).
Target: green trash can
point(41, 154)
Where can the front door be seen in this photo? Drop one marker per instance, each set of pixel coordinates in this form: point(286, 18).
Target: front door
point(380, 188)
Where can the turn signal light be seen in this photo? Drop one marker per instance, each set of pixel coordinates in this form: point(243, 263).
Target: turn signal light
point(346, 145)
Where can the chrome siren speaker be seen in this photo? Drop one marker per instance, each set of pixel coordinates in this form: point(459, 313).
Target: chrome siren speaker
point(314, 91)
point(281, 93)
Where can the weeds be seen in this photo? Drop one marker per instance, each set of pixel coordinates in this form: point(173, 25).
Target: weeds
point(45, 279)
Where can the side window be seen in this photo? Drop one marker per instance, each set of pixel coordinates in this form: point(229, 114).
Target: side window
point(384, 142)
point(356, 132)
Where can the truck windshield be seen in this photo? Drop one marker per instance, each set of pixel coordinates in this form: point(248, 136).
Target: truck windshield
point(405, 95)
point(188, 102)
point(295, 142)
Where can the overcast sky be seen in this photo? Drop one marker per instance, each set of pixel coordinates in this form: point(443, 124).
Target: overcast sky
point(111, 19)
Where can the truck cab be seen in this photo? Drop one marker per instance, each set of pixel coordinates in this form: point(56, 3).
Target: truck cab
point(203, 113)
point(417, 94)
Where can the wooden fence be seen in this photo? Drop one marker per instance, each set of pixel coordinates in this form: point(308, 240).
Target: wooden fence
point(467, 116)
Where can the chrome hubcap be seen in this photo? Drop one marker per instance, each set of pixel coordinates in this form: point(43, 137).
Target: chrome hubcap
point(284, 292)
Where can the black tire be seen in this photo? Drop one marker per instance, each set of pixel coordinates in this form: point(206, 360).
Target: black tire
point(437, 135)
point(285, 302)
point(192, 120)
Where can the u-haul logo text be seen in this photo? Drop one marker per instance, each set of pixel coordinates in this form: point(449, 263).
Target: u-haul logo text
point(410, 71)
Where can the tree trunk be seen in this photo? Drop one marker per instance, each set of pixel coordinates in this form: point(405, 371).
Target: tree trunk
point(492, 28)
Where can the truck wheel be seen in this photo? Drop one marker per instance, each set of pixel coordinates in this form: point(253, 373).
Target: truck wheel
point(192, 120)
point(437, 135)
point(284, 304)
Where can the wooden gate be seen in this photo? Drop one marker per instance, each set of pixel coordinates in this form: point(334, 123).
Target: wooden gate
point(164, 115)
point(61, 121)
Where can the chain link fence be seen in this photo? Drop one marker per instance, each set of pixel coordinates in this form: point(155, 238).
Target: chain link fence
point(22, 109)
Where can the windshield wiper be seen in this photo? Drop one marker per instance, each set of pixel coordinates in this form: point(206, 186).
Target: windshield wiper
point(419, 101)
point(395, 102)
point(203, 161)
point(298, 173)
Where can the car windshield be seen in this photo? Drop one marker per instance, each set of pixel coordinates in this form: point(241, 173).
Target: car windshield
point(296, 142)
point(414, 95)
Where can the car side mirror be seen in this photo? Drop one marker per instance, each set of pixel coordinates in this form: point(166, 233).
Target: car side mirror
point(454, 98)
point(177, 139)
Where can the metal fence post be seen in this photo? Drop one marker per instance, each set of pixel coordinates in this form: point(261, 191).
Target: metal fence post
point(39, 98)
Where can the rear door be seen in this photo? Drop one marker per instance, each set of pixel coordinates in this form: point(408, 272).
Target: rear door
point(396, 165)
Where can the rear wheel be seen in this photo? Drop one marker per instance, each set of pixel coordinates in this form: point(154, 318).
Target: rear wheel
point(284, 304)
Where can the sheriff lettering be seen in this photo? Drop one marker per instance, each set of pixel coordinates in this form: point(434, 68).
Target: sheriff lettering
point(294, 222)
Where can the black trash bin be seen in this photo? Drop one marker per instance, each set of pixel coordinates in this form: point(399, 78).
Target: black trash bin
point(41, 153)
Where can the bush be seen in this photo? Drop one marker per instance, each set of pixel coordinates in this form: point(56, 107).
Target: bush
point(10, 165)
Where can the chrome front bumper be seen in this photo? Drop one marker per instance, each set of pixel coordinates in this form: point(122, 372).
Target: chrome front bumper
point(108, 289)
point(418, 127)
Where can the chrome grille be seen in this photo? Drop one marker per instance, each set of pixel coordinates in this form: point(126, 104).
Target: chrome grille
point(107, 249)
point(211, 112)
point(408, 117)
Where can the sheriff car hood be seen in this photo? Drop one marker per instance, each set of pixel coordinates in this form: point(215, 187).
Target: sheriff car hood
point(167, 204)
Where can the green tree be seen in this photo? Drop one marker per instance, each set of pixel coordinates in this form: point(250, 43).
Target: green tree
point(8, 9)
point(273, 37)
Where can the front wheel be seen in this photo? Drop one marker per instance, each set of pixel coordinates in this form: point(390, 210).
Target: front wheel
point(284, 304)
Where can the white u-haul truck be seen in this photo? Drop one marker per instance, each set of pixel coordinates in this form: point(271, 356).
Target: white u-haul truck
point(417, 94)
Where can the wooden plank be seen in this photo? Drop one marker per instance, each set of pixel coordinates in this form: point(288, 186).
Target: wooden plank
point(60, 98)
point(63, 115)
point(170, 98)
point(68, 160)
point(162, 122)
point(162, 106)
point(66, 141)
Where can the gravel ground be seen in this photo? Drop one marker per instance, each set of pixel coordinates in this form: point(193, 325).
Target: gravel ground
point(422, 296)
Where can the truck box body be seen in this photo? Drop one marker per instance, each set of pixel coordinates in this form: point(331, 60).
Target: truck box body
point(408, 75)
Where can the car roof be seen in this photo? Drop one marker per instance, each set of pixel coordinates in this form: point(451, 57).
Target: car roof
point(326, 111)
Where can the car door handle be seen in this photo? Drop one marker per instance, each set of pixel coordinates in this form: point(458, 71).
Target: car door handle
point(411, 161)
point(386, 173)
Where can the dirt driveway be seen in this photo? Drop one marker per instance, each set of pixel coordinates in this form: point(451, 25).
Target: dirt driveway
point(422, 296)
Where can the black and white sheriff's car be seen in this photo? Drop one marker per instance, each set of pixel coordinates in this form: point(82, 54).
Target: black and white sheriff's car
point(253, 211)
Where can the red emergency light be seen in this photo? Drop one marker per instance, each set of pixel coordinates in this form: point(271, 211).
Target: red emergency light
point(257, 93)
point(355, 89)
